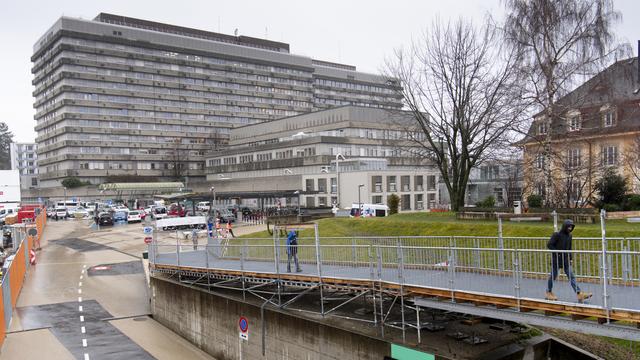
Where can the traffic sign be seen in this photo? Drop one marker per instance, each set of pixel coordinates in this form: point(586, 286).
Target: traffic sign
point(32, 257)
point(32, 232)
point(243, 324)
point(148, 240)
point(148, 230)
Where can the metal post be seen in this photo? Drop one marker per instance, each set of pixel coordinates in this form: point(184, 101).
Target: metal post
point(242, 255)
point(353, 250)
point(555, 220)
point(451, 270)
point(418, 326)
point(401, 282)
point(373, 287)
point(516, 276)
point(605, 295)
point(500, 245)
point(319, 267)
point(178, 250)
point(276, 254)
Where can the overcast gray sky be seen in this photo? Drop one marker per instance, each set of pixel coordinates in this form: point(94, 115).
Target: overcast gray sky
point(359, 33)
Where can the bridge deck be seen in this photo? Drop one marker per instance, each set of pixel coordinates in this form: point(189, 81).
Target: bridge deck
point(487, 287)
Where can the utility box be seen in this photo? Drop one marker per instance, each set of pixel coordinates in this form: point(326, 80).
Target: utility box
point(517, 207)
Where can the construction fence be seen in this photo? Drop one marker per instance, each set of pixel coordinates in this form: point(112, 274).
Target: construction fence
point(13, 275)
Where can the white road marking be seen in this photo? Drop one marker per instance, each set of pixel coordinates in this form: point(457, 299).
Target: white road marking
point(79, 298)
point(81, 318)
point(79, 291)
point(81, 277)
point(86, 356)
point(83, 330)
point(80, 308)
point(84, 266)
point(84, 342)
point(80, 284)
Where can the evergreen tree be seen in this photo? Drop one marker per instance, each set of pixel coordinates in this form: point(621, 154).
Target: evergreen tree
point(6, 137)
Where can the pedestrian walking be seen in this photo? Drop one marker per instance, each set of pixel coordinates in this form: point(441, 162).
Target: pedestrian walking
point(561, 240)
point(218, 227)
point(229, 229)
point(194, 238)
point(292, 251)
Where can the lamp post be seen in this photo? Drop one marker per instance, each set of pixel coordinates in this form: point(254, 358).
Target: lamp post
point(338, 156)
point(359, 203)
point(213, 199)
point(297, 192)
point(65, 195)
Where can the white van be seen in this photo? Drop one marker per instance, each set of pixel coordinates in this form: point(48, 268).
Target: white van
point(203, 206)
point(370, 210)
point(7, 211)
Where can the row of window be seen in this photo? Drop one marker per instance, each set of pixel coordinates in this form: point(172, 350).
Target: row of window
point(608, 156)
point(353, 86)
point(128, 165)
point(574, 121)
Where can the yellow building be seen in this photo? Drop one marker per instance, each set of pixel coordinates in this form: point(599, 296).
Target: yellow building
point(594, 127)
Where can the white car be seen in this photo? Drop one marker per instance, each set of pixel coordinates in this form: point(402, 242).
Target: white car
point(121, 208)
point(134, 216)
point(80, 212)
point(61, 213)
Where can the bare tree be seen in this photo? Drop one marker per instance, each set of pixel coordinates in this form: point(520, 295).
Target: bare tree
point(462, 95)
point(561, 42)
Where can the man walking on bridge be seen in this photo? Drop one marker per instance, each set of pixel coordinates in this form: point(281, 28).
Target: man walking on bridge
point(561, 240)
point(292, 251)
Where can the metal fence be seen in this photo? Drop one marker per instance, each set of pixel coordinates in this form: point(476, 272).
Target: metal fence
point(612, 276)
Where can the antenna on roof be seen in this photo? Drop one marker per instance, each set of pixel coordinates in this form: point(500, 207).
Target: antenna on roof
point(235, 32)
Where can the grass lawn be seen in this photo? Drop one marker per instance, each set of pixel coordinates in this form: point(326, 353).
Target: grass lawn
point(446, 224)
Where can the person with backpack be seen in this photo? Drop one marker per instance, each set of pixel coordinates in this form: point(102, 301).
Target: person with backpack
point(292, 251)
point(561, 240)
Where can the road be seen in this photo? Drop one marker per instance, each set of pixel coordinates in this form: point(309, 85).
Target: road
point(87, 298)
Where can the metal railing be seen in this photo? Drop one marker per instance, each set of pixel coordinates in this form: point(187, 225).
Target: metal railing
point(444, 263)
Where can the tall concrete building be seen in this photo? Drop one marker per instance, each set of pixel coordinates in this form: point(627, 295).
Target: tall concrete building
point(117, 97)
point(25, 159)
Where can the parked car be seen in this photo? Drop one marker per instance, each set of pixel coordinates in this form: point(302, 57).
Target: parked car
point(121, 208)
point(226, 216)
point(80, 212)
point(159, 213)
point(105, 219)
point(203, 206)
point(61, 213)
point(51, 212)
point(134, 216)
point(119, 216)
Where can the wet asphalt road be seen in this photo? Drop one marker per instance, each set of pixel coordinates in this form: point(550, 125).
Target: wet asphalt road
point(87, 298)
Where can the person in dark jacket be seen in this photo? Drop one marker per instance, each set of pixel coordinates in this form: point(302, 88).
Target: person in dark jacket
point(561, 240)
point(292, 251)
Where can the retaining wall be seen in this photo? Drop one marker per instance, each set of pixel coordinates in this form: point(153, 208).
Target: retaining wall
point(211, 323)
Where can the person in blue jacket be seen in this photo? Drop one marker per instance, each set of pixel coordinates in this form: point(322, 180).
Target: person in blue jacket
point(292, 251)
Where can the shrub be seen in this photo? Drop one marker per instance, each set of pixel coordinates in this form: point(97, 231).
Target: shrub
point(73, 182)
point(488, 202)
point(534, 201)
point(611, 207)
point(632, 202)
point(393, 201)
point(612, 187)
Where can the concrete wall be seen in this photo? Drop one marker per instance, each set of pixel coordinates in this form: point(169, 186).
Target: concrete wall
point(211, 322)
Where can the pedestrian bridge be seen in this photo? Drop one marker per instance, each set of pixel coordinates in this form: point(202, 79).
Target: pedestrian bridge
point(496, 277)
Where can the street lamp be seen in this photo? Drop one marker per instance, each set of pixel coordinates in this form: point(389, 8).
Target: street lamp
point(338, 156)
point(297, 192)
point(359, 203)
point(213, 199)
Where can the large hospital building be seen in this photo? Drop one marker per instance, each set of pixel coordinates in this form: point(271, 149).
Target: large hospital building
point(119, 97)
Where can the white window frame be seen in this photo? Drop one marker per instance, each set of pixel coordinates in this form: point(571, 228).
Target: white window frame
point(574, 122)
